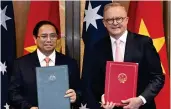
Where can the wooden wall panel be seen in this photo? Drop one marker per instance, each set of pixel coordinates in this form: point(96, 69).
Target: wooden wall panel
point(21, 9)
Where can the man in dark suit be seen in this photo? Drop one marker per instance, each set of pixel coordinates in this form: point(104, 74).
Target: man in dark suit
point(131, 47)
point(23, 90)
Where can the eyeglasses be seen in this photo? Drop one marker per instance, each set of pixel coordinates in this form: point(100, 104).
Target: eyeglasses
point(117, 19)
point(52, 36)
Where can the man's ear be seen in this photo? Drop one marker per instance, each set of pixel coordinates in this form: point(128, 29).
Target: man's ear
point(104, 23)
point(127, 19)
point(35, 39)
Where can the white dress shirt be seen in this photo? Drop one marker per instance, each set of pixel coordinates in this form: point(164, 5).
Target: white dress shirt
point(122, 45)
point(122, 51)
point(42, 57)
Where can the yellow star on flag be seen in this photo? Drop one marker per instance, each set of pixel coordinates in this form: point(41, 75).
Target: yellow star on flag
point(157, 42)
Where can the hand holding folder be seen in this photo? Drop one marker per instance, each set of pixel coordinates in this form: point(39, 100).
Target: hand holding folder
point(120, 82)
point(52, 84)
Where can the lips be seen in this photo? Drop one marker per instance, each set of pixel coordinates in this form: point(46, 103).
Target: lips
point(48, 45)
point(115, 27)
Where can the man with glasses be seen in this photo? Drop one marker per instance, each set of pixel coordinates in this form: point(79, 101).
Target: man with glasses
point(123, 46)
point(22, 90)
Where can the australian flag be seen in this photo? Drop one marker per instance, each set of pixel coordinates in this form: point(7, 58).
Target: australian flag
point(93, 31)
point(8, 49)
point(93, 28)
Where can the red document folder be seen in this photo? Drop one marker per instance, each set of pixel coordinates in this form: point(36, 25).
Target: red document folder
point(121, 81)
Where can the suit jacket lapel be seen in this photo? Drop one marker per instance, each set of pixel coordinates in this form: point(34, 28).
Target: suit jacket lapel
point(35, 59)
point(108, 49)
point(129, 47)
point(58, 59)
point(34, 62)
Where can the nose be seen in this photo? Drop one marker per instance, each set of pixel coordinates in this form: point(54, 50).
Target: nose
point(48, 39)
point(115, 22)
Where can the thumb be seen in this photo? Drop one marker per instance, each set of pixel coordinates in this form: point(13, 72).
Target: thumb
point(125, 101)
point(103, 99)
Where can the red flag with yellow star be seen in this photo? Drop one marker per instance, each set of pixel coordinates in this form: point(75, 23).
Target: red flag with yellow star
point(41, 10)
point(145, 17)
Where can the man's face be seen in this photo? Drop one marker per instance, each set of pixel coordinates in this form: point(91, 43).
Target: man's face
point(115, 20)
point(46, 39)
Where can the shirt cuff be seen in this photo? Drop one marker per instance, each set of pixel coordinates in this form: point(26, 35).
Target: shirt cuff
point(143, 99)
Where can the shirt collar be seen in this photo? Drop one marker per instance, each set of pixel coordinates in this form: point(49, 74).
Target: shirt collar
point(41, 56)
point(122, 38)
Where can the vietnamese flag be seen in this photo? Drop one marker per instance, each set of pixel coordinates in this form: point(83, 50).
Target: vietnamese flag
point(145, 17)
point(41, 10)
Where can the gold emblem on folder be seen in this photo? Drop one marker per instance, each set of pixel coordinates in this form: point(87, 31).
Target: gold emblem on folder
point(52, 77)
point(122, 77)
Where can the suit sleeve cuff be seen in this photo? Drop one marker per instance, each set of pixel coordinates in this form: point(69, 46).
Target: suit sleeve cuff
point(143, 99)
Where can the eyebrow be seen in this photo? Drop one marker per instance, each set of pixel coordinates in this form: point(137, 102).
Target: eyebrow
point(47, 33)
point(116, 17)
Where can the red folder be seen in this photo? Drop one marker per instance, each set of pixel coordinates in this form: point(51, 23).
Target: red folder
point(121, 81)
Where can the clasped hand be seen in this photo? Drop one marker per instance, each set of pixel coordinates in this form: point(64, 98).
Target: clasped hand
point(131, 103)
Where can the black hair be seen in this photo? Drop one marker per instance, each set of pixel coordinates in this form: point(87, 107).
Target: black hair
point(41, 23)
